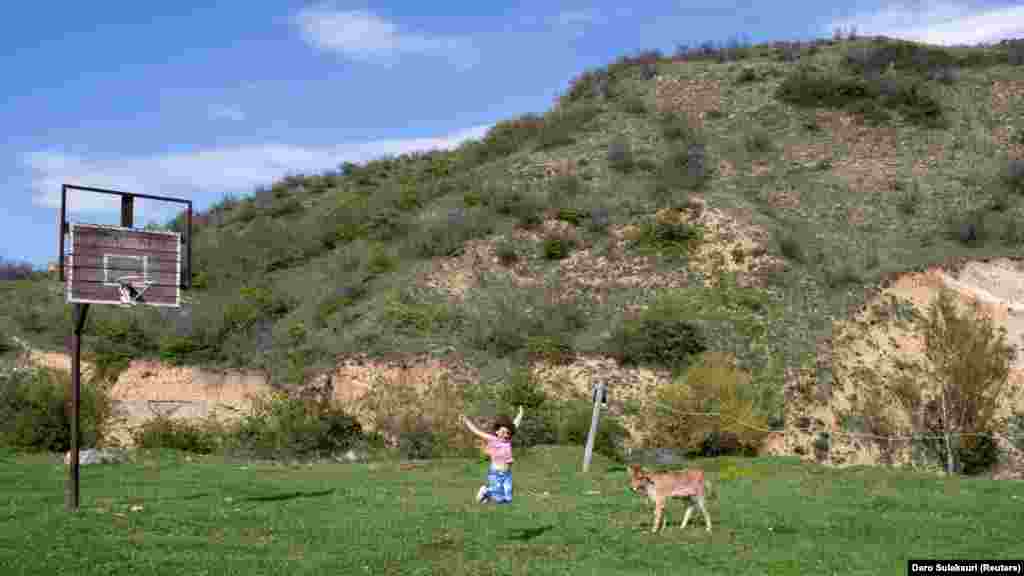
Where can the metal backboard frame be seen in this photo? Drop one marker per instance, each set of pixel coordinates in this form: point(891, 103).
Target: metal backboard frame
point(127, 221)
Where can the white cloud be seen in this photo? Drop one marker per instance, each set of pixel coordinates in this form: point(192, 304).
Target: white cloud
point(205, 175)
point(366, 37)
point(571, 17)
point(943, 23)
point(222, 112)
point(576, 22)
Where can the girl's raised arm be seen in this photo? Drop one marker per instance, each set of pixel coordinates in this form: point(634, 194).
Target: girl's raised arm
point(475, 430)
point(519, 417)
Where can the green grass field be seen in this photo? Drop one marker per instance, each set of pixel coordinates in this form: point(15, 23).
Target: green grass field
point(163, 514)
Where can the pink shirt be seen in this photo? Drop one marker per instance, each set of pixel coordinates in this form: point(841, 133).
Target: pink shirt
point(500, 451)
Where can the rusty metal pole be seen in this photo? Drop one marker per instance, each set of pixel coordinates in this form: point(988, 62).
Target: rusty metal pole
point(79, 313)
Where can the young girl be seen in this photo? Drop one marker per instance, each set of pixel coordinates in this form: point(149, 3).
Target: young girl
point(499, 445)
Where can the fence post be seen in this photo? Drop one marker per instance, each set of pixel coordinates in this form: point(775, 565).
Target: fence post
point(599, 396)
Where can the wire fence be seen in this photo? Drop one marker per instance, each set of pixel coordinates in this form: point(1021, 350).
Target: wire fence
point(752, 426)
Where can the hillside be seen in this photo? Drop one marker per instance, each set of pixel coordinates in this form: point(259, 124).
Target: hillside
point(760, 197)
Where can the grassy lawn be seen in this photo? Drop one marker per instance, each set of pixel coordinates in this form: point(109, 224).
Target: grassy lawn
point(163, 514)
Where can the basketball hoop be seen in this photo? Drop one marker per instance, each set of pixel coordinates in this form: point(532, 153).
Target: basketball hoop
point(131, 289)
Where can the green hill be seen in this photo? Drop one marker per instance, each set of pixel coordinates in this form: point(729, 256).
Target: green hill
point(738, 200)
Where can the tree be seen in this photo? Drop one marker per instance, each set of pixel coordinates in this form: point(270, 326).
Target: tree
point(712, 384)
point(968, 359)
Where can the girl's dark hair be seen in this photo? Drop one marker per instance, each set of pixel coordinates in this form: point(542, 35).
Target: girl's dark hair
point(504, 421)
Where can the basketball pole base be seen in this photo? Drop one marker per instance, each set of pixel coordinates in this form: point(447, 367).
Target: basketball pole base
point(79, 314)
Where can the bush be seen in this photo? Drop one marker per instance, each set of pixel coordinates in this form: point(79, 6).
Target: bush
point(506, 252)
point(565, 187)
point(590, 84)
point(526, 207)
point(599, 219)
point(561, 125)
point(970, 228)
point(505, 138)
point(810, 87)
point(791, 248)
point(912, 57)
point(1013, 176)
point(177, 434)
point(686, 167)
point(573, 216)
point(1015, 52)
point(445, 236)
point(635, 105)
point(14, 270)
point(557, 247)
point(747, 75)
point(574, 426)
point(909, 198)
point(521, 388)
point(675, 128)
point(620, 155)
point(758, 142)
point(282, 424)
point(712, 384)
point(662, 336)
point(417, 420)
point(668, 237)
point(977, 454)
point(34, 411)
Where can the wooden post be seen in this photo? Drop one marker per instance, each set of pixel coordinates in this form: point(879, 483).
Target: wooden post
point(589, 450)
point(79, 313)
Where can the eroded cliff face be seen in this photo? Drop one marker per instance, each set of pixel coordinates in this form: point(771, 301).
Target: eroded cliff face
point(873, 347)
point(818, 399)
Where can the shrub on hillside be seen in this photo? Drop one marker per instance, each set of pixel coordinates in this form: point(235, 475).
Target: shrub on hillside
point(562, 124)
point(620, 155)
point(978, 454)
point(599, 219)
point(663, 336)
point(419, 420)
point(918, 59)
point(10, 270)
point(178, 434)
point(505, 138)
point(671, 238)
point(591, 84)
point(280, 424)
point(686, 167)
point(506, 253)
point(970, 228)
point(557, 246)
point(539, 425)
point(1013, 176)
point(758, 141)
point(712, 384)
point(676, 128)
point(34, 411)
point(810, 87)
point(445, 235)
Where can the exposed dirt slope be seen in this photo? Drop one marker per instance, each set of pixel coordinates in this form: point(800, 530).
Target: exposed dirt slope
point(879, 339)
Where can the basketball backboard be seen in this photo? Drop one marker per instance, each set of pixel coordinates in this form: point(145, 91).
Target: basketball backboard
point(116, 265)
point(107, 264)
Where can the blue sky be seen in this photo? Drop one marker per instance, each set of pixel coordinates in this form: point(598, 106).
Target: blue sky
point(202, 99)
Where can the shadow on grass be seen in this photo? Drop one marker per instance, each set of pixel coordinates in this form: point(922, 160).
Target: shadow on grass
point(288, 496)
point(527, 534)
